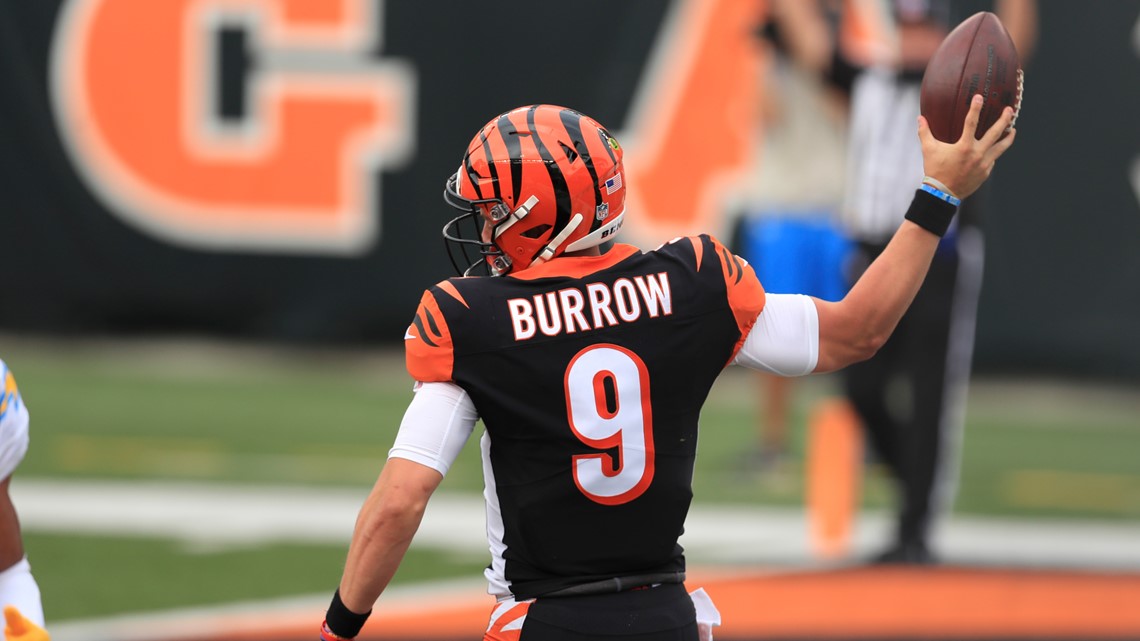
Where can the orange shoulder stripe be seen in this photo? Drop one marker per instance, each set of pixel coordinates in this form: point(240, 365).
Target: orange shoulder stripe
point(428, 351)
point(744, 291)
point(450, 289)
point(698, 249)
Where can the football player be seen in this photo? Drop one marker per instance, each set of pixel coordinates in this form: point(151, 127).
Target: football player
point(588, 369)
point(19, 593)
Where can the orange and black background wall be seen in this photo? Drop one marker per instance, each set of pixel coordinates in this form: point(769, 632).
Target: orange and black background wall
point(273, 169)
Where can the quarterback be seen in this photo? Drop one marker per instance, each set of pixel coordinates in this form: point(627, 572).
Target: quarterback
point(588, 369)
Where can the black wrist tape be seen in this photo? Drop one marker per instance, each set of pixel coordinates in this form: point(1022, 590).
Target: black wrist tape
point(931, 213)
point(342, 621)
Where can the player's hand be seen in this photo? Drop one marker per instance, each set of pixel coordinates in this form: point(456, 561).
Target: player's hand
point(18, 628)
point(966, 164)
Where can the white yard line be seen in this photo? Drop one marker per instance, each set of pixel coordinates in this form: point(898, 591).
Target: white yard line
point(208, 515)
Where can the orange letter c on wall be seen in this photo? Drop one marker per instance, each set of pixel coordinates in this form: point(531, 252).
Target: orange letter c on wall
point(133, 85)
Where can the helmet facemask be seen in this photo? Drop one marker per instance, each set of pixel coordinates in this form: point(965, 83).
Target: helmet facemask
point(465, 238)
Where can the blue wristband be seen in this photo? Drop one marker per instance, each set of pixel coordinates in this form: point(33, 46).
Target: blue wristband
point(941, 195)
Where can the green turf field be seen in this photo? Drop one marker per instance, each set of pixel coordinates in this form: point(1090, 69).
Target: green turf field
point(93, 577)
point(232, 413)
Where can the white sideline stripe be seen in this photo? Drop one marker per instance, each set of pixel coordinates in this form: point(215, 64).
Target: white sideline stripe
point(206, 515)
point(214, 515)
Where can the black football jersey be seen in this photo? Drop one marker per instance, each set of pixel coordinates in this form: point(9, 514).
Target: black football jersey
point(589, 374)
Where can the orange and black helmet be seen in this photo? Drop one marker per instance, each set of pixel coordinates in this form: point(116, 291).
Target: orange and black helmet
point(535, 182)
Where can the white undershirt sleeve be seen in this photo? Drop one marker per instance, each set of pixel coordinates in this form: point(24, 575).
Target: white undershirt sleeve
point(436, 424)
point(785, 338)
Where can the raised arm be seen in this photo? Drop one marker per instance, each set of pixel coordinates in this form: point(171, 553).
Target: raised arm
point(854, 328)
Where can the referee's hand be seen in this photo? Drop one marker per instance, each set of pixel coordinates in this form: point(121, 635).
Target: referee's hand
point(966, 164)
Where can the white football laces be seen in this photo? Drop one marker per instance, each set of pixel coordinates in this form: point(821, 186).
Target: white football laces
point(1017, 103)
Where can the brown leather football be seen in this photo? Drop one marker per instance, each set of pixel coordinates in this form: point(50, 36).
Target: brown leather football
point(978, 56)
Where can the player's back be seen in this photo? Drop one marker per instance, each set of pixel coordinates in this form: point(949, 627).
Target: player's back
point(589, 374)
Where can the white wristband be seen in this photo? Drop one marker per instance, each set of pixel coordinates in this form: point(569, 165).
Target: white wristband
point(939, 185)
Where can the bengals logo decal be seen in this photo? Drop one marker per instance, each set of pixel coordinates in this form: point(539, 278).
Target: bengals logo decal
point(134, 89)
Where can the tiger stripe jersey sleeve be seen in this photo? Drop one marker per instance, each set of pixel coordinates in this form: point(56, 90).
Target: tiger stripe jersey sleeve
point(745, 294)
point(429, 354)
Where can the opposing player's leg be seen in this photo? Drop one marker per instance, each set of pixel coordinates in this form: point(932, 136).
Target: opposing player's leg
point(17, 585)
point(11, 542)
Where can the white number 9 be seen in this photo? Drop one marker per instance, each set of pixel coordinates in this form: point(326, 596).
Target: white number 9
point(607, 401)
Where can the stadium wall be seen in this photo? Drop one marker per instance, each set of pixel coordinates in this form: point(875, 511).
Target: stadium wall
point(272, 169)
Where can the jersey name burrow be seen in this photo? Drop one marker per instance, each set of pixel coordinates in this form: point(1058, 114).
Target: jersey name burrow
point(596, 305)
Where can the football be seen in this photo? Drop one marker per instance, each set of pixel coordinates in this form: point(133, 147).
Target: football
point(978, 56)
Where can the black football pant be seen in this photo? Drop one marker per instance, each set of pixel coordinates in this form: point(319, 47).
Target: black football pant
point(911, 394)
point(663, 613)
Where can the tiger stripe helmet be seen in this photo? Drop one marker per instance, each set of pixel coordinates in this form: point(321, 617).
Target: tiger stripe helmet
point(535, 182)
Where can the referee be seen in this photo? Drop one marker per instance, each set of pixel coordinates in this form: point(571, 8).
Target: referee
point(911, 395)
